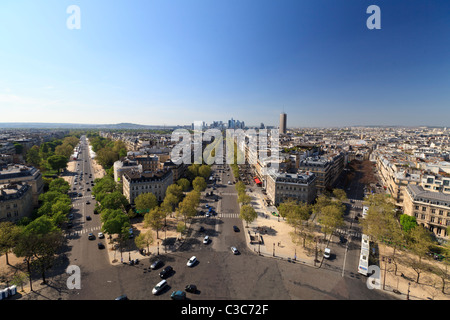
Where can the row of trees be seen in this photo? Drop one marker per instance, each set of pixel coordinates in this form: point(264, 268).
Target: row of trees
point(52, 156)
point(327, 212)
point(403, 235)
point(184, 205)
point(107, 151)
point(247, 212)
point(38, 240)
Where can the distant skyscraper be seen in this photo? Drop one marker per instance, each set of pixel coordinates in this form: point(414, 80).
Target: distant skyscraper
point(283, 121)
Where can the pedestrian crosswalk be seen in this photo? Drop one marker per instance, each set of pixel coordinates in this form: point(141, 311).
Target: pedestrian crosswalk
point(221, 215)
point(350, 233)
point(74, 233)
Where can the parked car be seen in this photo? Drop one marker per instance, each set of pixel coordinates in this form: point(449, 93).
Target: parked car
point(100, 235)
point(191, 261)
point(206, 240)
point(122, 297)
point(159, 287)
point(178, 295)
point(166, 272)
point(236, 229)
point(191, 288)
point(234, 250)
point(327, 253)
point(157, 264)
point(91, 236)
point(88, 218)
point(101, 245)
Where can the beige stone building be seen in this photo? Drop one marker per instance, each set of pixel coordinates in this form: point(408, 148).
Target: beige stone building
point(17, 174)
point(327, 169)
point(284, 186)
point(135, 183)
point(16, 202)
point(431, 209)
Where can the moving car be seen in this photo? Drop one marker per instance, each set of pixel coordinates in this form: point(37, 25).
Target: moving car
point(191, 261)
point(101, 245)
point(159, 287)
point(91, 236)
point(236, 229)
point(100, 235)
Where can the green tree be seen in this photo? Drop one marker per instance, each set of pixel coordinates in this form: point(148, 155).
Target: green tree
point(184, 184)
point(199, 184)
point(420, 241)
point(176, 191)
point(38, 243)
point(114, 200)
point(57, 162)
point(59, 185)
point(33, 156)
point(144, 240)
point(340, 194)
point(244, 199)
point(408, 222)
point(204, 171)
point(8, 237)
point(155, 219)
point(187, 207)
point(114, 220)
point(145, 202)
point(248, 214)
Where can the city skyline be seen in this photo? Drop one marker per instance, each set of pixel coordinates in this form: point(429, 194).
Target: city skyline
point(173, 63)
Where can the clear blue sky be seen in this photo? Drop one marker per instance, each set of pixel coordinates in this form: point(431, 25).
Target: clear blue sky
point(179, 61)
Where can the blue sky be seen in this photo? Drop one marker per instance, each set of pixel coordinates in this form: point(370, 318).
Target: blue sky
point(168, 62)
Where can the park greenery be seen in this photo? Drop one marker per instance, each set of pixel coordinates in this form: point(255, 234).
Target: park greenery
point(51, 157)
point(38, 239)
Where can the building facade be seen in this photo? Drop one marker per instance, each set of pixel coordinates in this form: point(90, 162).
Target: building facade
point(431, 209)
point(326, 168)
point(284, 186)
point(16, 202)
point(136, 183)
point(17, 174)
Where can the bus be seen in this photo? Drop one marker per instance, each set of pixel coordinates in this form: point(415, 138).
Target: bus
point(363, 266)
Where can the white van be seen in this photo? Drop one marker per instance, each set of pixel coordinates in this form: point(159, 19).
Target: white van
point(160, 286)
